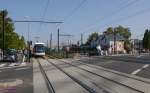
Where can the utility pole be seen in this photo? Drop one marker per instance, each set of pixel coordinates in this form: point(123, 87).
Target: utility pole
point(3, 29)
point(81, 39)
point(58, 39)
point(69, 42)
point(139, 47)
point(66, 35)
point(114, 41)
point(47, 43)
point(50, 41)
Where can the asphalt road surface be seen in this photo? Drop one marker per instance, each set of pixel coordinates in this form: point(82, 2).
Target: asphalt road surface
point(136, 65)
point(16, 79)
point(46, 75)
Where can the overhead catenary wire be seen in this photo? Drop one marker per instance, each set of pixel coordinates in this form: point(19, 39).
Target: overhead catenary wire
point(45, 11)
point(34, 21)
point(129, 16)
point(126, 17)
point(111, 14)
point(73, 11)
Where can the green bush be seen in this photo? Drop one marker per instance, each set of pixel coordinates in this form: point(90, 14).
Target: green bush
point(60, 55)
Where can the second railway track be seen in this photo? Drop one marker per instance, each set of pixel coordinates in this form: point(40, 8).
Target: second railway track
point(77, 85)
point(47, 81)
point(114, 81)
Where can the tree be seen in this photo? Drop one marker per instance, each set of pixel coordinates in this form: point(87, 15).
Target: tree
point(93, 37)
point(145, 39)
point(12, 39)
point(109, 31)
point(22, 43)
point(125, 32)
point(148, 45)
point(128, 46)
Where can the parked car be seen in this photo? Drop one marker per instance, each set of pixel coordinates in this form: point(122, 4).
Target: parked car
point(10, 56)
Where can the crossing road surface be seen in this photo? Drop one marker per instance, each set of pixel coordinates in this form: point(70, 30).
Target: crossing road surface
point(125, 74)
point(9, 65)
point(137, 65)
point(16, 78)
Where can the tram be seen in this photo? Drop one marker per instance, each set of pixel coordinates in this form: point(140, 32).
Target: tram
point(39, 49)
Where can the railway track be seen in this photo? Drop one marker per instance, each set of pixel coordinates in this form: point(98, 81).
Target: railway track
point(130, 87)
point(81, 82)
point(49, 86)
point(114, 72)
point(52, 89)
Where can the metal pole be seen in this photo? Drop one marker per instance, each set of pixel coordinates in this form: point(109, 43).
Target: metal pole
point(3, 29)
point(70, 42)
point(47, 43)
point(139, 48)
point(114, 42)
point(29, 51)
point(81, 39)
point(58, 40)
point(28, 31)
point(51, 41)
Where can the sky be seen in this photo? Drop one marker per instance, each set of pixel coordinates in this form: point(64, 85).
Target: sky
point(79, 16)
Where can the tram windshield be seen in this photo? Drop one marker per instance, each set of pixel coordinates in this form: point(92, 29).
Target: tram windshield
point(39, 48)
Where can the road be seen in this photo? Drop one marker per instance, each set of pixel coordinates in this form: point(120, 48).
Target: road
point(137, 65)
point(98, 74)
point(16, 79)
point(76, 76)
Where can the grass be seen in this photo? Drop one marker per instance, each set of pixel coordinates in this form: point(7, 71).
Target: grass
point(61, 54)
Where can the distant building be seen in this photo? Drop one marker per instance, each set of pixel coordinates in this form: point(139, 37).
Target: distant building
point(137, 45)
point(106, 42)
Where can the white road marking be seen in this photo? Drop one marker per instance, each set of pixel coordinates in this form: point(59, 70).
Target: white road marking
point(22, 68)
point(23, 59)
point(11, 67)
point(10, 83)
point(23, 64)
point(138, 56)
point(12, 64)
point(136, 71)
point(2, 65)
point(145, 66)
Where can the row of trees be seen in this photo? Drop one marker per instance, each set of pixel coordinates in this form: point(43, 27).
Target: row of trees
point(12, 39)
point(146, 40)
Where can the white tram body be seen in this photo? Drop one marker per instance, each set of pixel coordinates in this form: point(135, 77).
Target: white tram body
point(39, 49)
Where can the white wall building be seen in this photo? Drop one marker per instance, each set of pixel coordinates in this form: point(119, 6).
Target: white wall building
point(107, 43)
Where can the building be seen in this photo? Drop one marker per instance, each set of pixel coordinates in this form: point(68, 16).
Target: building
point(106, 42)
point(137, 45)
